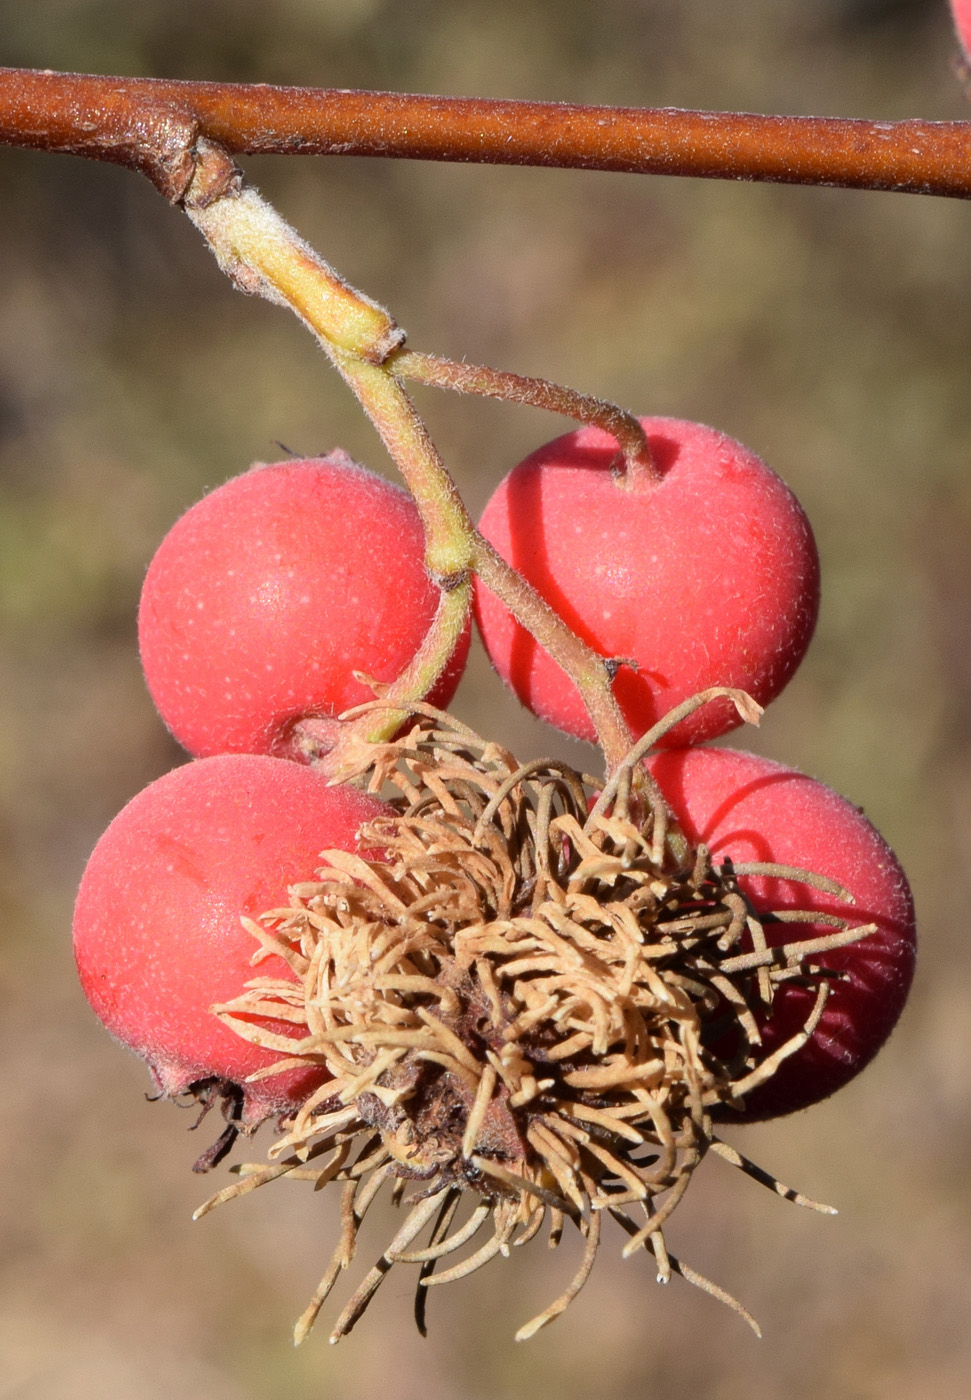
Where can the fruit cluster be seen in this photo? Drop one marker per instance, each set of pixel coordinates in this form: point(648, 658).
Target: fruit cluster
point(495, 976)
point(705, 573)
point(265, 610)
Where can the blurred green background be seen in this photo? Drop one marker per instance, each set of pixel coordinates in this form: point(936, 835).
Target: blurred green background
point(829, 330)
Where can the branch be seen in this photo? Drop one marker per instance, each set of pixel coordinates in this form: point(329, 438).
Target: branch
point(151, 124)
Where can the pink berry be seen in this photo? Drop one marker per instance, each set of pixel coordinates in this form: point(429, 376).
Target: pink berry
point(269, 593)
point(157, 932)
point(708, 576)
point(751, 809)
point(961, 10)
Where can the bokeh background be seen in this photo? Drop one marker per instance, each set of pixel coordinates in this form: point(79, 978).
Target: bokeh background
point(829, 330)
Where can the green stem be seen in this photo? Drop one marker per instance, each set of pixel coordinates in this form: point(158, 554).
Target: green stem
point(346, 745)
point(449, 532)
point(426, 476)
point(264, 256)
point(590, 672)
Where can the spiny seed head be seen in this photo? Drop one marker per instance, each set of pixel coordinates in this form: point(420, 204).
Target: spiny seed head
point(536, 995)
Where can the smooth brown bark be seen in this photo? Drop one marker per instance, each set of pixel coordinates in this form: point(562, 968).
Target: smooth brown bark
point(151, 124)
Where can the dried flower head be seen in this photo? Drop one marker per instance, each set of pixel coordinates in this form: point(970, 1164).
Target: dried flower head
point(526, 998)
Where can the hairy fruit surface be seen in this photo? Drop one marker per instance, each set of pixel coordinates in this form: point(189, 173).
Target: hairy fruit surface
point(269, 594)
point(745, 808)
point(708, 576)
point(158, 932)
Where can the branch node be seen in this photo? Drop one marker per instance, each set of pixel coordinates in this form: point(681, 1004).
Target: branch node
point(215, 175)
point(161, 140)
point(448, 582)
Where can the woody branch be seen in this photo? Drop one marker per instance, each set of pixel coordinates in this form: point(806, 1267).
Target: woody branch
point(151, 125)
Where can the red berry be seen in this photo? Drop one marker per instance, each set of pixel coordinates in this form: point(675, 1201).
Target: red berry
point(157, 932)
point(708, 576)
point(961, 10)
point(269, 593)
point(751, 809)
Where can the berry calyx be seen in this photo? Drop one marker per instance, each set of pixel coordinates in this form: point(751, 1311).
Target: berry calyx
point(746, 808)
point(158, 937)
point(270, 593)
point(702, 573)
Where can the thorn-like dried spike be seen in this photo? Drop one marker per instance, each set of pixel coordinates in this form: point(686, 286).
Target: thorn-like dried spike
point(253, 1178)
point(437, 1250)
point(768, 870)
point(475, 1261)
point(592, 1223)
point(763, 1072)
point(659, 1218)
point(477, 1114)
point(525, 998)
point(439, 1233)
point(765, 1178)
point(304, 1324)
point(339, 1260)
point(706, 1286)
point(412, 1226)
point(534, 1224)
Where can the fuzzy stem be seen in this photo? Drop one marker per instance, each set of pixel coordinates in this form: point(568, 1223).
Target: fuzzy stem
point(427, 478)
point(538, 393)
point(342, 759)
point(449, 532)
point(264, 256)
point(590, 672)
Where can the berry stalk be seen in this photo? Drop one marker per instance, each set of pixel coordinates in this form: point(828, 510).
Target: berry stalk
point(264, 256)
point(343, 759)
point(502, 384)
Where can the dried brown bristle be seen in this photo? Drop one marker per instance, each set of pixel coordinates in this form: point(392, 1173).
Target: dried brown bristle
point(521, 999)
